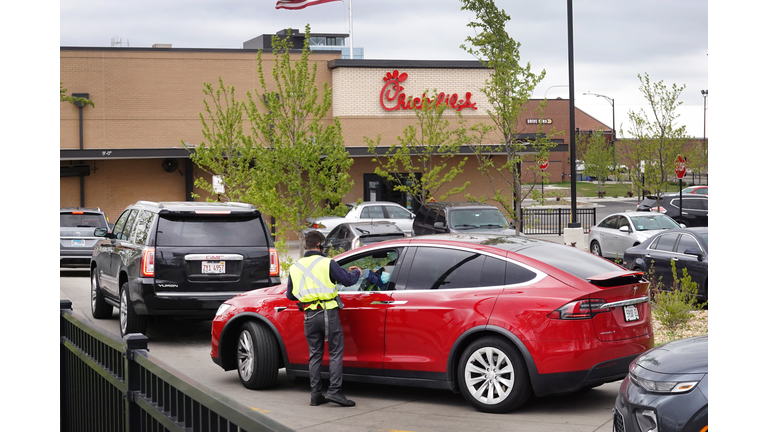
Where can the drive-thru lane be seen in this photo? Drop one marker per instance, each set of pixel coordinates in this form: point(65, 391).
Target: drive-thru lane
point(185, 346)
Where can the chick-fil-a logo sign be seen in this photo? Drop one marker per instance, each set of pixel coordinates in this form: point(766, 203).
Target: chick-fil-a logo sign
point(392, 97)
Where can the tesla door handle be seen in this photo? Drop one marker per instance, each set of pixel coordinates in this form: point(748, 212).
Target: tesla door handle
point(389, 302)
point(280, 308)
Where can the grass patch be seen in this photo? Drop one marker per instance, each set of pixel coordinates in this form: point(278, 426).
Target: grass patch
point(589, 189)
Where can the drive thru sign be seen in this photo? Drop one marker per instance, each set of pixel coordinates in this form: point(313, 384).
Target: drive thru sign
point(680, 166)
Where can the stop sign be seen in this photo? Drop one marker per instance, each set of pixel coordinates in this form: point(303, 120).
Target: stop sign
point(680, 166)
point(543, 164)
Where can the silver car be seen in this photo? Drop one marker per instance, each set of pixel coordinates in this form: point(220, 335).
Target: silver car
point(76, 239)
point(620, 231)
point(367, 211)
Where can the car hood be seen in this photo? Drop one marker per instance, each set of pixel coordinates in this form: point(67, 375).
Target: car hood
point(683, 356)
point(76, 231)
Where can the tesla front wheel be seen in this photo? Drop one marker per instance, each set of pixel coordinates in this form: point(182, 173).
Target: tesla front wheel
point(493, 377)
point(257, 356)
point(100, 309)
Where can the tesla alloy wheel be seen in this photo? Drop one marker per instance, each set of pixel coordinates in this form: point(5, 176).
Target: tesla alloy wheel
point(99, 308)
point(493, 377)
point(257, 356)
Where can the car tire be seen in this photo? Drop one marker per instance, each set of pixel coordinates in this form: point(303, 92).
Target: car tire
point(595, 248)
point(130, 321)
point(491, 363)
point(257, 356)
point(100, 309)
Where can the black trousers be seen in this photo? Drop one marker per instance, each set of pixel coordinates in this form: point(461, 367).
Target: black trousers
point(314, 330)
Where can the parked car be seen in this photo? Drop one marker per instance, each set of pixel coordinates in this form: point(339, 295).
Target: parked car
point(617, 232)
point(455, 217)
point(667, 389)
point(688, 248)
point(699, 190)
point(76, 239)
point(179, 259)
point(695, 207)
point(498, 318)
point(367, 211)
point(352, 235)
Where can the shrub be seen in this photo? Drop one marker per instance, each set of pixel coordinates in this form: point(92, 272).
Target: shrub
point(673, 306)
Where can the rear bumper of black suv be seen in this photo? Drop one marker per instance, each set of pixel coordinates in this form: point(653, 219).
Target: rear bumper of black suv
point(150, 299)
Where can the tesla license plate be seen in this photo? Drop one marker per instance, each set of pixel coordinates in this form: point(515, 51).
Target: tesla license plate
point(214, 267)
point(79, 243)
point(631, 313)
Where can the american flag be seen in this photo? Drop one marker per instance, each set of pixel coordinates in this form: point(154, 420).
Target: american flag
point(299, 4)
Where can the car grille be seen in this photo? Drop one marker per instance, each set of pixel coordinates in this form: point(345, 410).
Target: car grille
point(618, 422)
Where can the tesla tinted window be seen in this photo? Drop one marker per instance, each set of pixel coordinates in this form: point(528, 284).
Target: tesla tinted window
point(210, 231)
point(516, 274)
point(435, 268)
point(493, 272)
point(569, 259)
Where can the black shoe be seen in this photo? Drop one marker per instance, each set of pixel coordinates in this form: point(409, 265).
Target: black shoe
point(315, 401)
point(340, 399)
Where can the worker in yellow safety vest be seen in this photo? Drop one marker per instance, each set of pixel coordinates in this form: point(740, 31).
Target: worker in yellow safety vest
point(312, 283)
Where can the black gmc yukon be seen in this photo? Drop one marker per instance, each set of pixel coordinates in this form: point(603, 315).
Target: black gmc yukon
point(179, 259)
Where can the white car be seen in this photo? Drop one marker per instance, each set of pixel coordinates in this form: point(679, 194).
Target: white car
point(367, 211)
point(620, 231)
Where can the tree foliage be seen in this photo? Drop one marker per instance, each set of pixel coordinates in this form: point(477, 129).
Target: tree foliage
point(419, 163)
point(292, 162)
point(64, 97)
point(598, 157)
point(657, 139)
point(508, 90)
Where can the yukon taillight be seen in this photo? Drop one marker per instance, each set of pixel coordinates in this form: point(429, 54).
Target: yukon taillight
point(148, 262)
point(274, 263)
point(579, 309)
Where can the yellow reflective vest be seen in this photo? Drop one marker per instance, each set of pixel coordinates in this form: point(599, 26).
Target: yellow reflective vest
point(310, 277)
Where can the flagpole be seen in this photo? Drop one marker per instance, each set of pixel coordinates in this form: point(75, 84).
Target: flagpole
point(351, 40)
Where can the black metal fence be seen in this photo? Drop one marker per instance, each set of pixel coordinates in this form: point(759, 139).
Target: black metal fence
point(555, 220)
point(113, 385)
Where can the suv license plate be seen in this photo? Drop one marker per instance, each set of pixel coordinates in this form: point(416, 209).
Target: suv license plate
point(78, 243)
point(631, 313)
point(214, 267)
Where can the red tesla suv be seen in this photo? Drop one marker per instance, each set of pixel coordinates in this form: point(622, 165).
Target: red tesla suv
point(497, 318)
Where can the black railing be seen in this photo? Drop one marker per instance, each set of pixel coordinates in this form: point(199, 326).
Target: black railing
point(555, 220)
point(113, 385)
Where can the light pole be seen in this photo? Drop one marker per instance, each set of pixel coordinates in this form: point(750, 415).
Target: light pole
point(613, 125)
point(705, 93)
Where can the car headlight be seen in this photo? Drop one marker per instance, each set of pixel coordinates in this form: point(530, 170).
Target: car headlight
point(223, 309)
point(661, 386)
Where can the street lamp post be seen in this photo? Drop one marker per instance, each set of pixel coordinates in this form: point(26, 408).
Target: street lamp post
point(705, 93)
point(613, 125)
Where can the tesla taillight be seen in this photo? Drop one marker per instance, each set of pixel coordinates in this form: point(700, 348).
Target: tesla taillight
point(274, 263)
point(579, 309)
point(148, 262)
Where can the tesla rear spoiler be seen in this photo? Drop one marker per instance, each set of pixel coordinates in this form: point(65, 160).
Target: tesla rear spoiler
point(620, 277)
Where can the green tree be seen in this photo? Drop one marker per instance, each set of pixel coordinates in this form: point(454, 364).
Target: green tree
point(64, 97)
point(300, 162)
point(598, 157)
point(291, 162)
point(657, 140)
point(418, 166)
point(226, 150)
point(508, 89)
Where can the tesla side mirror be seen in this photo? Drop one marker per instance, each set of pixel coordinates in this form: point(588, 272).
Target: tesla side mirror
point(624, 229)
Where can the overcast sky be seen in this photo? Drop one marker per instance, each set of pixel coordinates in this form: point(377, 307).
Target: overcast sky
point(614, 40)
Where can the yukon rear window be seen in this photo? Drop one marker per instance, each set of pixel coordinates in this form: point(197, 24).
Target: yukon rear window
point(229, 230)
point(82, 220)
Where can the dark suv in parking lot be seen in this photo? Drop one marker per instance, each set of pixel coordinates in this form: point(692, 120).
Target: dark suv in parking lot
point(695, 207)
point(179, 259)
point(76, 239)
point(453, 217)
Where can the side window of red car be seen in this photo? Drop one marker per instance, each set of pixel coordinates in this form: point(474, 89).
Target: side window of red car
point(445, 269)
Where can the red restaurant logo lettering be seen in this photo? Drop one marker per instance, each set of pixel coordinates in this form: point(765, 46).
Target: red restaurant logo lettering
point(393, 92)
